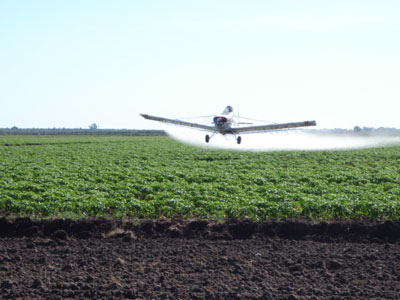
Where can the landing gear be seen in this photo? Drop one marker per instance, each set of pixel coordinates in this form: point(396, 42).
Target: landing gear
point(208, 138)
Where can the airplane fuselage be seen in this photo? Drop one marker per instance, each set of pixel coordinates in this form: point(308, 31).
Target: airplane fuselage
point(222, 124)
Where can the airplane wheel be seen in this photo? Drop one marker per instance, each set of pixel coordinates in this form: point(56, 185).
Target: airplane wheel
point(239, 140)
point(207, 138)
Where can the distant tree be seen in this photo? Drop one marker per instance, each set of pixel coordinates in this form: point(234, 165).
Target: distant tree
point(93, 126)
point(14, 128)
point(357, 129)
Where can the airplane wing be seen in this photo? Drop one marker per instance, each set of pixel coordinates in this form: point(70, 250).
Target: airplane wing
point(178, 122)
point(260, 128)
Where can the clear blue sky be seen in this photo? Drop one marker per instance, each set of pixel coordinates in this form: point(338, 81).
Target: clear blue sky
point(74, 63)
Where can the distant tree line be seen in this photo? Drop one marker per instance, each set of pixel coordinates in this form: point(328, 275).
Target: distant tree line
point(377, 131)
point(79, 131)
point(361, 131)
point(94, 130)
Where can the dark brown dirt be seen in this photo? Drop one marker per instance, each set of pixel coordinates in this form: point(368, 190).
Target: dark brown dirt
point(178, 259)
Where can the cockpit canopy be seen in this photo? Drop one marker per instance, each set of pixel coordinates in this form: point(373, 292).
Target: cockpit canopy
point(227, 110)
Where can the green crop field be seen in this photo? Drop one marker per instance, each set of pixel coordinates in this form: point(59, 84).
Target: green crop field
point(156, 177)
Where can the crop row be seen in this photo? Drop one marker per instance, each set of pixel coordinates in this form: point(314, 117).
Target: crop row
point(152, 177)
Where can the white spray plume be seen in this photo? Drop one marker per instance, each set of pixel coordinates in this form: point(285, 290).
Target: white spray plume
point(281, 140)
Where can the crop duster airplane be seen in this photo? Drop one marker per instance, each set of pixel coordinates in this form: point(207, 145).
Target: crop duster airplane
point(226, 124)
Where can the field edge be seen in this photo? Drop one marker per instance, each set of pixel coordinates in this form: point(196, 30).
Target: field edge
point(64, 229)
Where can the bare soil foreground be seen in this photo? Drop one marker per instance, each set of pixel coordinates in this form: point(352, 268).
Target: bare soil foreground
point(192, 259)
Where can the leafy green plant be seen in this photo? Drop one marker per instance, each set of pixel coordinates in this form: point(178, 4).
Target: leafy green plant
point(151, 177)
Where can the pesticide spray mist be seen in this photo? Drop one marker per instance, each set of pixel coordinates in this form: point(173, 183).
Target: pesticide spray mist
point(288, 140)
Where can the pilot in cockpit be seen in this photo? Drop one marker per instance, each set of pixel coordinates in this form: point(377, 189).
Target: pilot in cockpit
point(227, 110)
